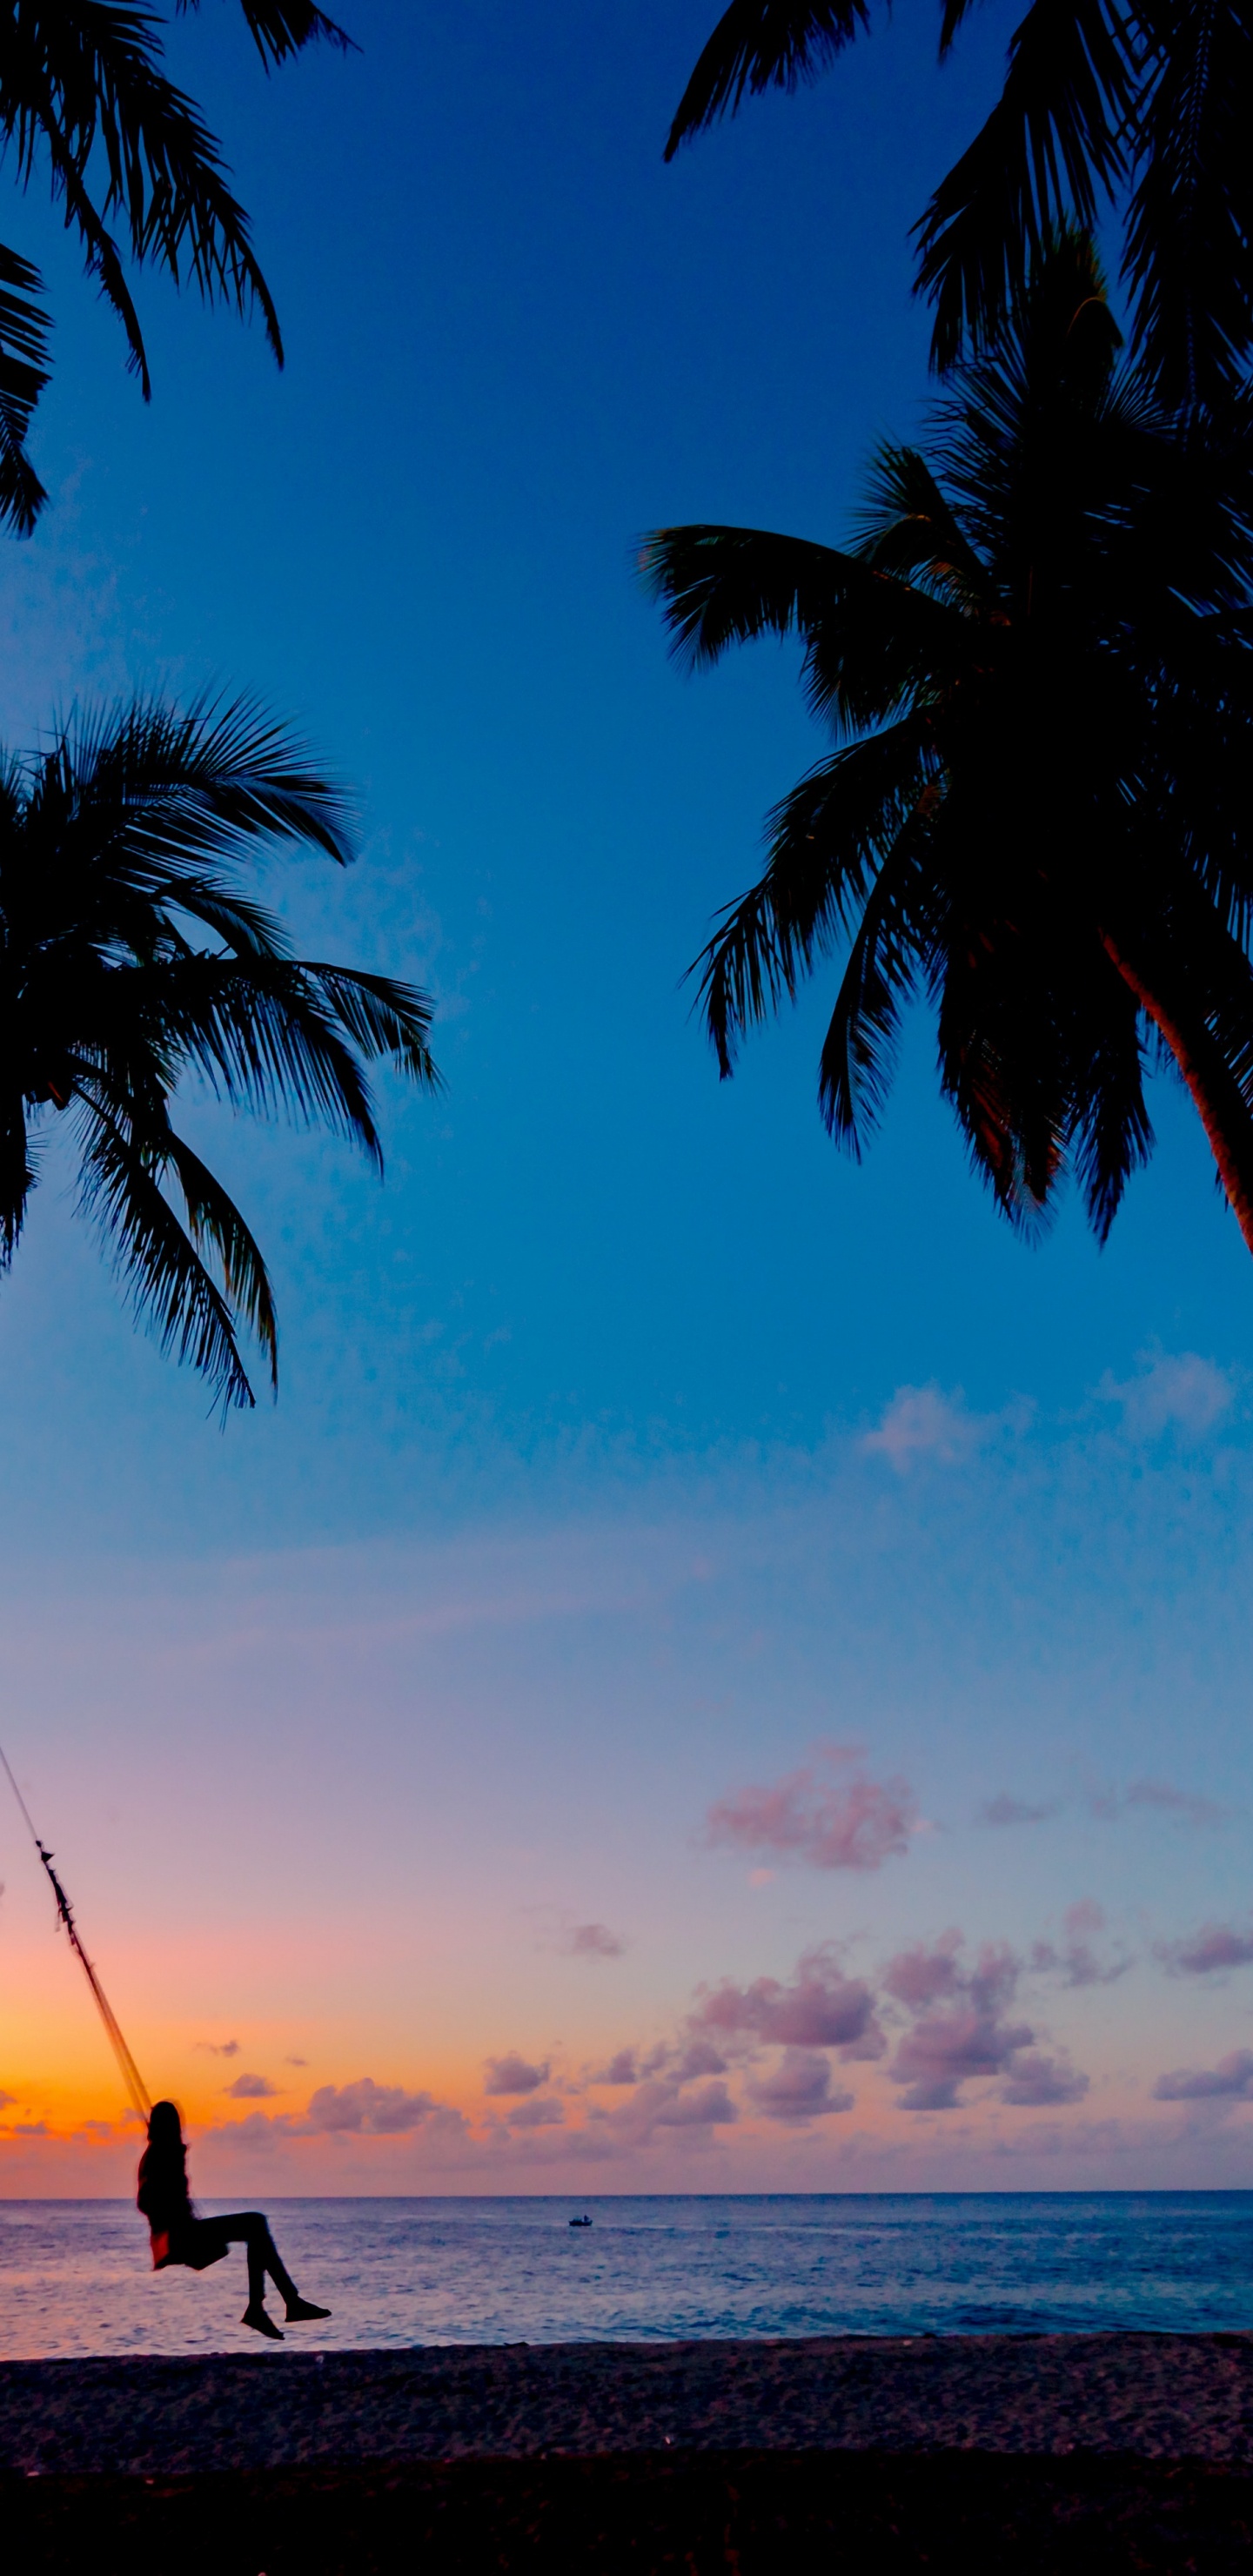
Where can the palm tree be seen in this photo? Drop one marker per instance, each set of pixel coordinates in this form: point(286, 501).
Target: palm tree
point(134, 953)
point(84, 98)
point(1146, 102)
point(1035, 659)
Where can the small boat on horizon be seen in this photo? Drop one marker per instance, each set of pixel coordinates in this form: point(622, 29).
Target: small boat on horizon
point(580, 2222)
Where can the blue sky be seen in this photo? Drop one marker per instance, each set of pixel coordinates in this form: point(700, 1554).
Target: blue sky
point(607, 1321)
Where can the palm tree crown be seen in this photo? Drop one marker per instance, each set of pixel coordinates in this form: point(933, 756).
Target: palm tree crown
point(1143, 101)
point(133, 953)
point(1036, 661)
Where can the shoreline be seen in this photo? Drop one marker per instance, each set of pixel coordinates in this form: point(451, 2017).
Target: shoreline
point(1167, 2397)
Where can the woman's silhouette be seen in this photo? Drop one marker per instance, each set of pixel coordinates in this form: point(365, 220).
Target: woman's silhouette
point(178, 2236)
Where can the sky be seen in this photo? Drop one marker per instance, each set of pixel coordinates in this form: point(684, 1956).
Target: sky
point(723, 1669)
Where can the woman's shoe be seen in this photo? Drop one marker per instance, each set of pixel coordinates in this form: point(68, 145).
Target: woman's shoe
point(261, 2322)
point(302, 2311)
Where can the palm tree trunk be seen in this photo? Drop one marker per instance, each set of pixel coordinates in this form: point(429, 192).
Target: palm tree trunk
point(1219, 1102)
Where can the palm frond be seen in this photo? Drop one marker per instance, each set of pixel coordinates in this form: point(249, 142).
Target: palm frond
point(869, 639)
point(1048, 154)
point(23, 375)
point(759, 45)
point(170, 1285)
point(887, 966)
point(280, 28)
point(828, 839)
point(1189, 250)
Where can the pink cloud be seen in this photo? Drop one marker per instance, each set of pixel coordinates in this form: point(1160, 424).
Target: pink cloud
point(251, 2088)
point(822, 2008)
point(512, 2074)
point(592, 1941)
point(541, 2111)
point(1035, 2080)
point(1078, 1961)
point(620, 2070)
point(1215, 1947)
point(218, 2047)
point(367, 2108)
point(1156, 1796)
point(798, 2088)
point(1231, 2081)
point(961, 2033)
point(833, 1823)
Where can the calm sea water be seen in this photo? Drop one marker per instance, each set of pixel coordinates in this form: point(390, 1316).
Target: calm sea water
point(74, 2275)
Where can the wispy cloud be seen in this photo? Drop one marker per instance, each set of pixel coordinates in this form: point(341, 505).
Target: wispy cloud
point(591, 1941)
point(921, 1422)
point(1217, 1946)
point(1004, 1810)
point(1230, 2081)
point(218, 2047)
point(819, 1814)
point(1077, 1960)
point(251, 2088)
point(1179, 1392)
point(1158, 1797)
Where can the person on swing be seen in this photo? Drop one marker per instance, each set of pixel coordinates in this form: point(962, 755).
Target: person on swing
point(179, 2236)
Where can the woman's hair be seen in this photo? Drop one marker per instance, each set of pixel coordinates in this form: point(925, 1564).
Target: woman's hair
point(165, 2126)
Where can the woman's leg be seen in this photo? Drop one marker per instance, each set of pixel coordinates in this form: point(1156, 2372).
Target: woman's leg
point(263, 2256)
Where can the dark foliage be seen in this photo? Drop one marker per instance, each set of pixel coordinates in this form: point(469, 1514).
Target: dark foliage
point(134, 954)
point(1147, 101)
point(1035, 661)
point(86, 103)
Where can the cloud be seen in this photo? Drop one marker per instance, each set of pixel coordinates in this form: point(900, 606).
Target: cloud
point(620, 2070)
point(1207, 1952)
point(295, 2061)
point(7, 2101)
point(512, 2074)
point(1035, 2080)
point(822, 2008)
point(923, 1422)
point(1004, 1810)
point(1077, 1960)
point(251, 2088)
point(218, 2047)
point(711, 2107)
point(542, 2111)
point(814, 1816)
point(1158, 1796)
point(1183, 1392)
point(1230, 2081)
point(961, 2032)
point(591, 1941)
point(370, 2109)
point(799, 2088)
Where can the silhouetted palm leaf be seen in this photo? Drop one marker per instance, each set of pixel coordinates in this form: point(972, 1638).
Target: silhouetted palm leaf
point(132, 957)
point(1042, 644)
point(84, 98)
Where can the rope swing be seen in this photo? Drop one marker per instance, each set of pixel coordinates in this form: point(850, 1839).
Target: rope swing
point(130, 2074)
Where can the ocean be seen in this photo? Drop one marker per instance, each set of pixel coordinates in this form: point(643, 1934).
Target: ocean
point(75, 2276)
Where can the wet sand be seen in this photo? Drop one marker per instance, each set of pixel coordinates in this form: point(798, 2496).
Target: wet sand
point(1159, 2397)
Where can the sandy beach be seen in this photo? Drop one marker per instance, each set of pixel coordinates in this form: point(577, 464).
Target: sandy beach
point(1163, 2397)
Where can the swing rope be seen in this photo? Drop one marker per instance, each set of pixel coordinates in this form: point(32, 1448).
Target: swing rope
point(130, 2074)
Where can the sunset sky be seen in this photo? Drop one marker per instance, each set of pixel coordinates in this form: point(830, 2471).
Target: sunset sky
point(723, 1670)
